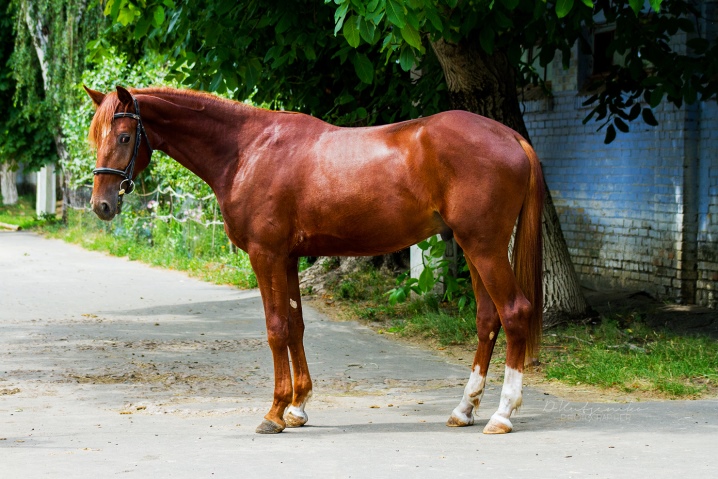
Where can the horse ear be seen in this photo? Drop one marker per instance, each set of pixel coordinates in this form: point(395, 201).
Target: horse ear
point(96, 96)
point(123, 95)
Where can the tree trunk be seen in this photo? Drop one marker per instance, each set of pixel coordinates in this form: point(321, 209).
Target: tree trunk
point(40, 35)
point(8, 186)
point(486, 84)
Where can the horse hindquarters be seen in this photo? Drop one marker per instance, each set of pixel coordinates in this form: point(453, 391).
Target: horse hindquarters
point(516, 295)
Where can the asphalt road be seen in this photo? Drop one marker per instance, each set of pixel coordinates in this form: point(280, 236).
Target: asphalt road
point(112, 368)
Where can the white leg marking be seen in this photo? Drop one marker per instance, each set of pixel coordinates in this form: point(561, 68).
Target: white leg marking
point(298, 411)
point(473, 392)
point(510, 396)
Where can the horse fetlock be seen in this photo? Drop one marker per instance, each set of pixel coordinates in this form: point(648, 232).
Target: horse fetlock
point(460, 419)
point(498, 425)
point(295, 417)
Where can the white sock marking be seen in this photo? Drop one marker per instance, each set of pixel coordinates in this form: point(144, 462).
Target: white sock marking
point(473, 392)
point(510, 396)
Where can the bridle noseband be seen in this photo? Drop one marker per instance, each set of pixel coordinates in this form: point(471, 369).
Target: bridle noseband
point(128, 172)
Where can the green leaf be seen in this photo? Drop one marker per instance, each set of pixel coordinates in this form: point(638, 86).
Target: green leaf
point(462, 302)
point(125, 16)
point(406, 59)
point(423, 245)
point(143, 24)
point(486, 39)
point(395, 13)
point(588, 3)
point(159, 16)
point(411, 36)
point(656, 5)
point(216, 82)
point(648, 117)
point(339, 16)
point(426, 280)
point(351, 31)
point(434, 19)
point(363, 68)
point(309, 52)
point(636, 5)
point(563, 7)
point(656, 96)
point(367, 29)
point(438, 250)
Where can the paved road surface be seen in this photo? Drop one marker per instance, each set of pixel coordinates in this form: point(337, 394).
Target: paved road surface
point(109, 368)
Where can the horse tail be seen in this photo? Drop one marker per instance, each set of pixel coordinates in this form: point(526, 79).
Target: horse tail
point(528, 254)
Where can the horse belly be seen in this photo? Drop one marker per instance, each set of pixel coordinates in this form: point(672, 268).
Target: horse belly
point(368, 229)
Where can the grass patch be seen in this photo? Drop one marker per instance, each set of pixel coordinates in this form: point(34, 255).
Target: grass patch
point(21, 214)
point(201, 252)
point(632, 358)
point(621, 353)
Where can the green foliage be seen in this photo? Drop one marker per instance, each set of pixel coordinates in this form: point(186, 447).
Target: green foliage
point(61, 28)
point(655, 67)
point(23, 137)
point(280, 53)
point(436, 271)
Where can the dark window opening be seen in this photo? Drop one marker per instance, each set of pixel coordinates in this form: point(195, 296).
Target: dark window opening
point(602, 60)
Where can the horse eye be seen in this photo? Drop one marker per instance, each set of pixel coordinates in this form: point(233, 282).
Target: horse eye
point(124, 138)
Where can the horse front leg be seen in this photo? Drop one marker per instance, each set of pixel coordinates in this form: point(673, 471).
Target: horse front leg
point(271, 272)
point(295, 415)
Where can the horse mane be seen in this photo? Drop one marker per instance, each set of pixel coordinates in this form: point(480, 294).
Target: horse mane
point(104, 113)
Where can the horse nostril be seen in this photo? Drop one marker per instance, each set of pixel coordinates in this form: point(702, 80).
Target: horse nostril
point(105, 206)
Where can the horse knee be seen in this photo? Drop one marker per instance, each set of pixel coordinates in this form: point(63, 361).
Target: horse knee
point(277, 332)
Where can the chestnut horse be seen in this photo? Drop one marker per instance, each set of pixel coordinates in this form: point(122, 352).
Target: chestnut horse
point(290, 185)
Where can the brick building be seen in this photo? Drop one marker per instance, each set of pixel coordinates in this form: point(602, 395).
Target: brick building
point(642, 212)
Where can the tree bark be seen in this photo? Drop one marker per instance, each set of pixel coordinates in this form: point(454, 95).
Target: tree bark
point(486, 84)
point(8, 185)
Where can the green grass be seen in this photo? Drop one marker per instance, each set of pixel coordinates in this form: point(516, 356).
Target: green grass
point(21, 214)
point(621, 353)
point(635, 358)
point(201, 252)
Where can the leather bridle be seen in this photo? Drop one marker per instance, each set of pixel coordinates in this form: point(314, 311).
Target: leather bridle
point(128, 172)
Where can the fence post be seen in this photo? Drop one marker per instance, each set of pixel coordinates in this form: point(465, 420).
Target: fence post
point(46, 192)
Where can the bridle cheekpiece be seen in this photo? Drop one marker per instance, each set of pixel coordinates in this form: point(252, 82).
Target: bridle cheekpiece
point(128, 172)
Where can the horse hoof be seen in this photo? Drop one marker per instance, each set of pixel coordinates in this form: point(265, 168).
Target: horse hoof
point(293, 420)
point(455, 421)
point(269, 427)
point(498, 426)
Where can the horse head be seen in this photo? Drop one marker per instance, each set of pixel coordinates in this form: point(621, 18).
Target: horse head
point(117, 132)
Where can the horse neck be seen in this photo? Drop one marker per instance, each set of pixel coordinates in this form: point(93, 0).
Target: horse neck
point(201, 133)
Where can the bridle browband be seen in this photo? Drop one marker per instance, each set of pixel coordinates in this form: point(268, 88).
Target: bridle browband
point(128, 172)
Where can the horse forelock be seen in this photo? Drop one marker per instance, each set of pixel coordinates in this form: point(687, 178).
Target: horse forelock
point(102, 121)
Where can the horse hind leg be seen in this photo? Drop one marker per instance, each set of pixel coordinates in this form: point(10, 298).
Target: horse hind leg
point(514, 311)
point(488, 325)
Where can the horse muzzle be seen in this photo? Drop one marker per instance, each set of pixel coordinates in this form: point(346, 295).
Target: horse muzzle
point(106, 210)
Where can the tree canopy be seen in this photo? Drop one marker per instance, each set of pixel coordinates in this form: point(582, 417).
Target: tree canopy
point(348, 61)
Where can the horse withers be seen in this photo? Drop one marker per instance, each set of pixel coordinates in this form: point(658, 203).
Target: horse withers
point(290, 185)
